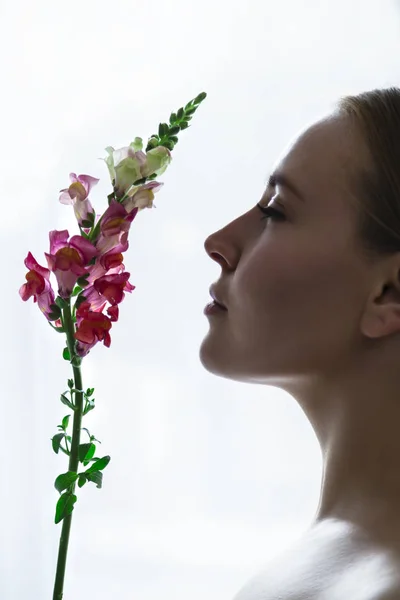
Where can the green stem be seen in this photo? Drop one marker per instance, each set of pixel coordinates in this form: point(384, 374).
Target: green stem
point(74, 455)
point(93, 235)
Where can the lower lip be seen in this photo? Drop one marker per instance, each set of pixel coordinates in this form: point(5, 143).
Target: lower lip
point(213, 309)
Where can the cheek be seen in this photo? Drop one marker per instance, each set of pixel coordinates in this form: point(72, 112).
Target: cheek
point(293, 300)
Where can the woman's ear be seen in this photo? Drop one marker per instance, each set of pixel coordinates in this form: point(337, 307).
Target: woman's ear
point(382, 313)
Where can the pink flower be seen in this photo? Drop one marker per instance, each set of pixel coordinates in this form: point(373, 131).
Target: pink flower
point(68, 259)
point(93, 326)
point(110, 288)
point(110, 262)
point(38, 285)
point(77, 195)
point(115, 221)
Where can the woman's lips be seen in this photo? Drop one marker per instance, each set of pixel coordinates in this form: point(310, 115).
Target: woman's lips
point(215, 298)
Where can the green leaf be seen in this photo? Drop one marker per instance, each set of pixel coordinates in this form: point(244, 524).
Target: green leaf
point(173, 131)
point(99, 465)
point(89, 392)
point(64, 480)
point(76, 291)
point(70, 383)
point(172, 118)
point(66, 354)
point(52, 317)
point(82, 281)
point(56, 441)
point(61, 303)
point(65, 400)
point(89, 406)
point(82, 480)
point(184, 125)
point(180, 113)
point(174, 139)
point(81, 298)
point(86, 223)
point(191, 110)
point(97, 478)
point(65, 506)
point(140, 181)
point(55, 309)
point(86, 452)
point(163, 129)
point(200, 98)
point(65, 421)
point(152, 143)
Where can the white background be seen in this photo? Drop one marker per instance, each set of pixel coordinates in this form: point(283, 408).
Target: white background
point(208, 478)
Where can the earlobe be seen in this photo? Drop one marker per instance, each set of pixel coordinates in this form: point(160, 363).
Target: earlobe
point(382, 318)
point(372, 327)
point(379, 328)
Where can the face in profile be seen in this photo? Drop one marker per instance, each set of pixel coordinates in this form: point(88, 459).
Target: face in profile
point(294, 284)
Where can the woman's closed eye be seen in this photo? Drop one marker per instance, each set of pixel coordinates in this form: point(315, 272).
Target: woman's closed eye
point(271, 213)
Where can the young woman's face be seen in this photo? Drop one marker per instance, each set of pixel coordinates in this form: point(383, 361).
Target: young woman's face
point(294, 288)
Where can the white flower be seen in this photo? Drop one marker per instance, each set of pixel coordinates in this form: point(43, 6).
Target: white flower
point(129, 164)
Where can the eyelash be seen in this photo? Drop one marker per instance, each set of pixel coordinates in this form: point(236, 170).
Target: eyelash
point(271, 213)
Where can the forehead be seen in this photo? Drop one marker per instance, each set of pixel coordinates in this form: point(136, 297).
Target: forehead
point(322, 157)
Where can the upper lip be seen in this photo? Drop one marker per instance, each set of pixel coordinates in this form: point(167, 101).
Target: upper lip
point(215, 297)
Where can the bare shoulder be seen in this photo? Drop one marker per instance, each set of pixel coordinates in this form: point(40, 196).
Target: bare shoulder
point(328, 564)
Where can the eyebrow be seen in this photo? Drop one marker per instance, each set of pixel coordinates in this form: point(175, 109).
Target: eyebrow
point(278, 178)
